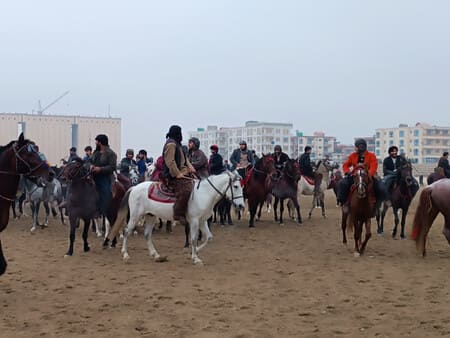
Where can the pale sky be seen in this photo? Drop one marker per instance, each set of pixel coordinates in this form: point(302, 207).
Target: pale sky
point(343, 67)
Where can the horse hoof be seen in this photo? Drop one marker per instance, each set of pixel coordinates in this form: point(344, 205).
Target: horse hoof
point(356, 254)
point(197, 261)
point(99, 234)
point(32, 230)
point(251, 226)
point(161, 259)
point(87, 249)
point(126, 257)
point(67, 255)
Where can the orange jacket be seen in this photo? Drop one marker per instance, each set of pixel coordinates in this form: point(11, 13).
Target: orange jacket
point(369, 158)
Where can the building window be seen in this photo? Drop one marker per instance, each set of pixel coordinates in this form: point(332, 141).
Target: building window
point(416, 152)
point(391, 134)
point(402, 133)
point(378, 134)
point(402, 143)
point(416, 142)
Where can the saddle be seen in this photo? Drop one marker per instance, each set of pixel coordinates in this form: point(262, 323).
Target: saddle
point(161, 193)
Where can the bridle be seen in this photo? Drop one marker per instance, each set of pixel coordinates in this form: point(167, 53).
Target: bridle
point(231, 179)
point(20, 159)
point(361, 186)
point(75, 173)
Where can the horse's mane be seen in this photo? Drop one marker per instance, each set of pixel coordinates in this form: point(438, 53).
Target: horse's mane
point(3, 148)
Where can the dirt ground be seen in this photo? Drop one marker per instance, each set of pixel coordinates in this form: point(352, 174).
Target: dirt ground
point(273, 281)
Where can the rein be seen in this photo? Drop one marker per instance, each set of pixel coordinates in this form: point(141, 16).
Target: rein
point(18, 157)
point(223, 194)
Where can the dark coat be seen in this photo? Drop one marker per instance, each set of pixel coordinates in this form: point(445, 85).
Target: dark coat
point(236, 157)
point(389, 167)
point(279, 161)
point(199, 161)
point(305, 166)
point(443, 163)
point(216, 166)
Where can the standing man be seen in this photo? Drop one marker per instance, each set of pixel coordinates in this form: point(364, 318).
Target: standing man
point(87, 154)
point(104, 162)
point(142, 164)
point(176, 169)
point(242, 159)
point(197, 157)
point(443, 163)
point(72, 155)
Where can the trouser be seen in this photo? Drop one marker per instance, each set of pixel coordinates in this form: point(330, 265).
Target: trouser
point(388, 182)
point(183, 188)
point(103, 185)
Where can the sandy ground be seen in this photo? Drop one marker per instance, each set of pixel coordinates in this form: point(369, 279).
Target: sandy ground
point(274, 281)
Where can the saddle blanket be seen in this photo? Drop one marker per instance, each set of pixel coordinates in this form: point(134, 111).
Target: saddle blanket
point(309, 180)
point(160, 193)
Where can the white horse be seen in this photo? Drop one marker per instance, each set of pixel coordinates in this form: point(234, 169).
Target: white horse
point(306, 188)
point(206, 193)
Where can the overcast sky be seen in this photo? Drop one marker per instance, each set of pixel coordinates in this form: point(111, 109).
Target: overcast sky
point(343, 67)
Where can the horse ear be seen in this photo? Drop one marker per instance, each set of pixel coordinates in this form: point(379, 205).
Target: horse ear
point(263, 154)
point(21, 138)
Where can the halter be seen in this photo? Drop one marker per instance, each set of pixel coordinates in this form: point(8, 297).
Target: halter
point(361, 185)
point(16, 172)
point(223, 194)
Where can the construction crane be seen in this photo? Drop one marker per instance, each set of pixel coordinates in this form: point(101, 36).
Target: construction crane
point(41, 110)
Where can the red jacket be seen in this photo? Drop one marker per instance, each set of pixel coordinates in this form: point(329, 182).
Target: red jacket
point(369, 158)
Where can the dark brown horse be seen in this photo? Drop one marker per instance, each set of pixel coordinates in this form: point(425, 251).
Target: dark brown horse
point(438, 174)
point(82, 201)
point(434, 199)
point(400, 198)
point(259, 184)
point(286, 186)
point(359, 208)
point(16, 158)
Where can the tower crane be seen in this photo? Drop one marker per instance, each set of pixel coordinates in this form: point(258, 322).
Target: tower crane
point(41, 110)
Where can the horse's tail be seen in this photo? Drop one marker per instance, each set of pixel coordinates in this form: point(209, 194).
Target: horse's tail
point(422, 211)
point(122, 215)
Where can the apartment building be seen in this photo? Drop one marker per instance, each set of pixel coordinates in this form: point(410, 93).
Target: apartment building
point(421, 143)
point(55, 134)
point(320, 144)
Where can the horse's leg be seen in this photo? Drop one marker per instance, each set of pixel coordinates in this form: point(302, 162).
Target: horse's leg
point(404, 213)
point(47, 213)
point(357, 236)
point(194, 241)
point(208, 236)
point(297, 207)
point(275, 207)
point(33, 208)
point(73, 226)
point(367, 236)
point(169, 227)
point(322, 204)
point(313, 205)
point(396, 221)
point(252, 207)
point(3, 263)
point(344, 226)
point(62, 215)
point(107, 227)
point(187, 231)
point(228, 212)
point(260, 210)
point(127, 231)
point(446, 230)
point(13, 207)
point(87, 223)
point(281, 210)
point(148, 230)
point(383, 215)
point(98, 227)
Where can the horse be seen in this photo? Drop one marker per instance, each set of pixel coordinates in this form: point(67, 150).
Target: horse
point(400, 198)
point(358, 210)
point(334, 180)
point(206, 193)
point(439, 173)
point(433, 200)
point(286, 187)
point(16, 158)
point(82, 201)
point(306, 187)
point(259, 184)
point(49, 191)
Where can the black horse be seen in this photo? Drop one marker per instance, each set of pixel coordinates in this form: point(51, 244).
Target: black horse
point(16, 158)
point(286, 186)
point(402, 194)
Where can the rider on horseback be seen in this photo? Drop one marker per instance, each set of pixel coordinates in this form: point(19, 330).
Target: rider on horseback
point(197, 157)
point(216, 165)
point(128, 163)
point(306, 168)
point(360, 155)
point(391, 164)
point(242, 159)
point(280, 159)
point(176, 169)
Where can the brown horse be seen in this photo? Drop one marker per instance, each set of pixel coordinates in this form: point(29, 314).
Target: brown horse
point(359, 208)
point(434, 199)
point(438, 174)
point(286, 187)
point(259, 184)
point(16, 158)
point(400, 198)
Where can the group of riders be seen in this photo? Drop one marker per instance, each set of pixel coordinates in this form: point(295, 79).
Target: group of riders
point(180, 164)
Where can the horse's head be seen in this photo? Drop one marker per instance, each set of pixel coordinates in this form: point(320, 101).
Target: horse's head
point(266, 164)
point(362, 180)
point(75, 169)
point(234, 193)
point(25, 158)
point(292, 169)
point(405, 174)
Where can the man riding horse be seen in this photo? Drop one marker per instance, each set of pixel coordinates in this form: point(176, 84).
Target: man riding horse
point(279, 159)
point(307, 170)
point(360, 155)
point(176, 169)
point(197, 157)
point(242, 159)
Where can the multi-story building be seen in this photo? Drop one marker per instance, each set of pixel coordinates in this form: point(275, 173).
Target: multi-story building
point(421, 143)
point(55, 134)
point(320, 144)
point(212, 135)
